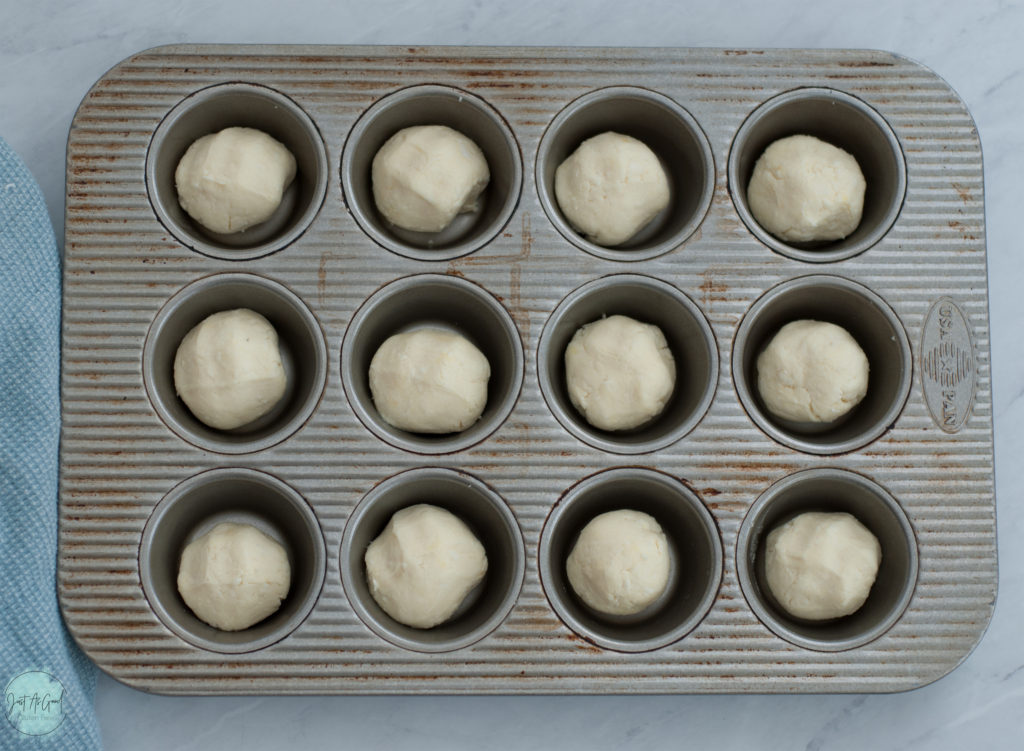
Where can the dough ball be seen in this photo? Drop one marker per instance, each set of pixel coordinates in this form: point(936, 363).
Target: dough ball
point(429, 381)
point(610, 188)
point(232, 180)
point(425, 175)
point(620, 563)
point(228, 369)
point(812, 371)
point(620, 372)
point(805, 190)
point(234, 576)
point(423, 565)
point(821, 565)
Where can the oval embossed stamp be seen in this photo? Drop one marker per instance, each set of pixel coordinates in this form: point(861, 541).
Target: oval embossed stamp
point(948, 369)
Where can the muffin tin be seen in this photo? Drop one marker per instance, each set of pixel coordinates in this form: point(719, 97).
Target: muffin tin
point(140, 476)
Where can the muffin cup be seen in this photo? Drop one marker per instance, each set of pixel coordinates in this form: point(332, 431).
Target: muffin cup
point(434, 105)
point(664, 127)
point(300, 340)
point(242, 496)
point(487, 516)
point(867, 318)
point(695, 550)
point(433, 301)
point(843, 121)
point(647, 300)
point(211, 110)
point(831, 490)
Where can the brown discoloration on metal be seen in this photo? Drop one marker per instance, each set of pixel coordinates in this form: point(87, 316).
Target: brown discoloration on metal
point(117, 462)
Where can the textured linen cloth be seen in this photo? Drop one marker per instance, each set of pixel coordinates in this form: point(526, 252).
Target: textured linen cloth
point(48, 683)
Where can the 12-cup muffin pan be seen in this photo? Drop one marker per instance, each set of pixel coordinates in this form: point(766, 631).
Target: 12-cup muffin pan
point(322, 473)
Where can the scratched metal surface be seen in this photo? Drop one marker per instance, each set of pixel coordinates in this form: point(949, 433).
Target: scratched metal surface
point(118, 458)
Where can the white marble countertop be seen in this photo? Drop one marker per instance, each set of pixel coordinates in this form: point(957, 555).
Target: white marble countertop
point(51, 51)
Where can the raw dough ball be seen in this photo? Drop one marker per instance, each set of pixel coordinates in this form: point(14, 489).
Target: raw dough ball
point(425, 175)
point(812, 371)
point(423, 565)
point(611, 187)
point(821, 565)
point(620, 372)
point(234, 576)
point(620, 563)
point(232, 180)
point(804, 190)
point(429, 381)
point(228, 369)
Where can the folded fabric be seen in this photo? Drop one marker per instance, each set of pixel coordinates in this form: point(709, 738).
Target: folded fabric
point(48, 682)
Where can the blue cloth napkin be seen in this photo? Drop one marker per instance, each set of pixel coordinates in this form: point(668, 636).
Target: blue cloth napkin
point(48, 683)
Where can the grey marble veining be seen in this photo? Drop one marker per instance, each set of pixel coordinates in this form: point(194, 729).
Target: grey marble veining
point(51, 52)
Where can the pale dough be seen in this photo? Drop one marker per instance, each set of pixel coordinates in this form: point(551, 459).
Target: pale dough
point(821, 565)
point(228, 369)
point(429, 381)
point(805, 190)
point(812, 371)
point(234, 576)
point(620, 372)
point(233, 180)
point(425, 175)
point(422, 566)
point(620, 564)
point(611, 187)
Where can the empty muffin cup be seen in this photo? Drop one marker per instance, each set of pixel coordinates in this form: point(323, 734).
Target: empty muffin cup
point(211, 110)
point(695, 552)
point(831, 490)
point(300, 342)
point(442, 302)
point(434, 105)
point(489, 519)
point(241, 496)
point(647, 300)
point(841, 120)
point(665, 128)
point(871, 322)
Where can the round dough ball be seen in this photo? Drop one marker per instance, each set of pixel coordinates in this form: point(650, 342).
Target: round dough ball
point(429, 381)
point(620, 372)
point(425, 175)
point(812, 371)
point(423, 565)
point(228, 369)
point(235, 179)
point(610, 188)
point(234, 576)
point(821, 565)
point(805, 190)
point(620, 564)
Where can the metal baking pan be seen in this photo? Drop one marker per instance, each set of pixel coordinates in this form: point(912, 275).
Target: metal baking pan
point(140, 476)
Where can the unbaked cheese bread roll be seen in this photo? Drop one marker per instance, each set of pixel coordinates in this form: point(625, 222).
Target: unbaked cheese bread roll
point(422, 566)
point(806, 190)
point(619, 372)
point(234, 179)
point(611, 187)
point(424, 176)
point(228, 369)
point(812, 371)
point(821, 566)
point(620, 564)
point(429, 381)
point(234, 576)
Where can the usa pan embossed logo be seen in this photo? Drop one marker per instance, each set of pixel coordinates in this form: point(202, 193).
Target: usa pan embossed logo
point(949, 373)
